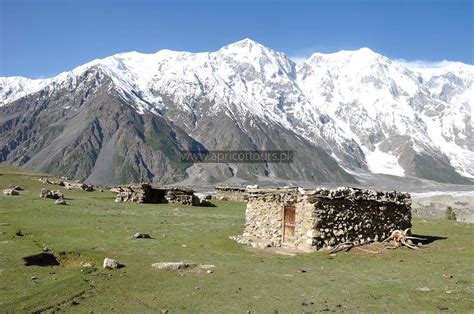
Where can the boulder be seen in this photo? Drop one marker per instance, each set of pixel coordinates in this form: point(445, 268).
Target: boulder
point(11, 192)
point(115, 190)
point(171, 265)
point(181, 266)
point(60, 201)
point(78, 185)
point(44, 180)
point(139, 235)
point(45, 193)
point(111, 263)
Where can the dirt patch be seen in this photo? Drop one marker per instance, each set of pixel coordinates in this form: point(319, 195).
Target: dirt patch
point(280, 250)
point(372, 248)
point(73, 260)
point(42, 259)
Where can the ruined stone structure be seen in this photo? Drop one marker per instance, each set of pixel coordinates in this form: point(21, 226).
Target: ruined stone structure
point(68, 185)
point(231, 193)
point(309, 220)
point(145, 193)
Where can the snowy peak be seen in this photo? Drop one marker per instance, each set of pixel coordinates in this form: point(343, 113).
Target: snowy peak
point(368, 112)
point(245, 43)
point(364, 55)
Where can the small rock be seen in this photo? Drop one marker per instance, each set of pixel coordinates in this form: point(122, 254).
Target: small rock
point(139, 235)
point(424, 289)
point(60, 201)
point(443, 307)
point(111, 264)
point(19, 233)
point(209, 271)
point(34, 277)
point(171, 265)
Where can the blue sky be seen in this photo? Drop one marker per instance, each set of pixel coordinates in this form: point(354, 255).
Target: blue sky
point(43, 38)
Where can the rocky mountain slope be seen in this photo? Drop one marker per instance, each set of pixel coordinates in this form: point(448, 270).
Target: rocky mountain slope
point(128, 116)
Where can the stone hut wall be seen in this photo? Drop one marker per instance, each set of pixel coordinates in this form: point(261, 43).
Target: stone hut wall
point(145, 193)
point(324, 217)
point(356, 215)
point(181, 195)
point(136, 193)
point(263, 216)
point(231, 193)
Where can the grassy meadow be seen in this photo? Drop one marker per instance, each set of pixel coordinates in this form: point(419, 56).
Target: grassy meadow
point(92, 226)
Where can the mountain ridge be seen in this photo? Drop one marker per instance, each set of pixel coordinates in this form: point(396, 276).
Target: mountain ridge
point(368, 113)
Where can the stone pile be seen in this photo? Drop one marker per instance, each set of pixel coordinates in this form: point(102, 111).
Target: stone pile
point(55, 195)
point(69, 185)
point(45, 193)
point(133, 193)
point(324, 217)
point(181, 195)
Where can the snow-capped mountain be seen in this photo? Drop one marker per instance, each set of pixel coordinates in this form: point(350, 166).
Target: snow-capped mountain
point(343, 113)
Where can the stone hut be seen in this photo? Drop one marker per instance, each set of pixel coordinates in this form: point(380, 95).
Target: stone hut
point(231, 193)
point(309, 220)
point(145, 193)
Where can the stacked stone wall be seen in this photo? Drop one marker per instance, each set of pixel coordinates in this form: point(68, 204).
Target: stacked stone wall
point(325, 218)
point(145, 193)
point(231, 193)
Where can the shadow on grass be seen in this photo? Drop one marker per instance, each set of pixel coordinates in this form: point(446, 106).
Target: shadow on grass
point(427, 238)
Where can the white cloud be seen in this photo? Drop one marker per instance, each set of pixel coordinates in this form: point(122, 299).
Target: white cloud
point(425, 64)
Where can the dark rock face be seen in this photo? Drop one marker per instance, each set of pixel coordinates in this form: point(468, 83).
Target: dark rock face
point(89, 129)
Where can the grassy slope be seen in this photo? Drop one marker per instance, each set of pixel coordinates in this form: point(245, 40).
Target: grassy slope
point(95, 227)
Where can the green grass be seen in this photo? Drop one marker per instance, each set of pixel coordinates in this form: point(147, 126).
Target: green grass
point(92, 227)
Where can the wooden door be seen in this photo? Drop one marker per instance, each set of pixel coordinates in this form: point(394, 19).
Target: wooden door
point(288, 223)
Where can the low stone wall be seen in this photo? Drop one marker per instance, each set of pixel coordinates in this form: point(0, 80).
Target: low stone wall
point(324, 218)
point(231, 193)
point(68, 185)
point(134, 193)
point(180, 195)
point(358, 216)
point(145, 193)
